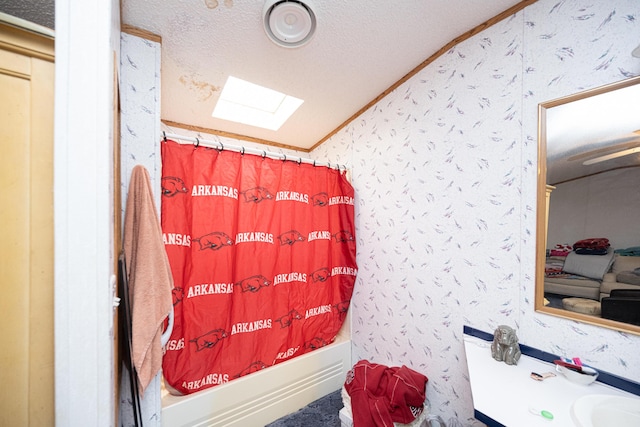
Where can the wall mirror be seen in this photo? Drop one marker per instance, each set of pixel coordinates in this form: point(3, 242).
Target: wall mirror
point(589, 188)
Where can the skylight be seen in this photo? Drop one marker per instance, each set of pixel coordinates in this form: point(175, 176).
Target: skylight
point(254, 105)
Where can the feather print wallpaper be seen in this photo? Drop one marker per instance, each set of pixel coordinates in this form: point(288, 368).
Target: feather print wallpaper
point(444, 170)
point(139, 129)
point(445, 175)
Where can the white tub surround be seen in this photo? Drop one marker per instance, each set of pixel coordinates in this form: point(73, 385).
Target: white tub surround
point(263, 396)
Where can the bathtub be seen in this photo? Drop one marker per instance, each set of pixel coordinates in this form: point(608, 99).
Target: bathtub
point(264, 396)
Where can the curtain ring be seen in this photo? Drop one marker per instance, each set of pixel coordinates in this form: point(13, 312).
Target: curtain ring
point(284, 158)
point(165, 136)
point(221, 147)
point(299, 161)
point(314, 163)
point(197, 142)
point(264, 154)
point(242, 152)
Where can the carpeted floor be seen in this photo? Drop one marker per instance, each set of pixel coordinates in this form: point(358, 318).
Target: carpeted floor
point(555, 300)
point(321, 413)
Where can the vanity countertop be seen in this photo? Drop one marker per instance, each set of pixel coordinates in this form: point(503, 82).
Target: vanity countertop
point(506, 393)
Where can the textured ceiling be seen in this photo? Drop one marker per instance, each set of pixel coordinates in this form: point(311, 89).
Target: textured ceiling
point(360, 49)
point(590, 125)
point(40, 12)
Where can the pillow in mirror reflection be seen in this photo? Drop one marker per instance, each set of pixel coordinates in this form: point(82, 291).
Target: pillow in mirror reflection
point(582, 305)
point(628, 277)
point(625, 263)
point(591, 266)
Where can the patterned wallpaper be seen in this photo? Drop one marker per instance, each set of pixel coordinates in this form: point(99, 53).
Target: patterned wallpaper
point(139, 129)
point(444, 170)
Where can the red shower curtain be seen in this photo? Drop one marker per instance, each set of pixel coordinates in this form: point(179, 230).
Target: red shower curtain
point(263, 257)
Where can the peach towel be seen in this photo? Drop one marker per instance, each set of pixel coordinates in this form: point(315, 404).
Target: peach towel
point(150, 279)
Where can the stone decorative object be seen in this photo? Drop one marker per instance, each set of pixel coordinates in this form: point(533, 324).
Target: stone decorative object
point(505, 347)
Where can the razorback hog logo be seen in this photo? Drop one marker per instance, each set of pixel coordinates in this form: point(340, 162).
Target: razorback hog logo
point(342, 308)
point(254, 367)
point(253, 283)
point(256, 194)
point(290, 237)
point(210, 339)
point(214, 241)
point(172, 186)
point(316, 342)
point(177, 295)
point(288, 318)
point(320, 199)
point(321, 275)
point(343, 236)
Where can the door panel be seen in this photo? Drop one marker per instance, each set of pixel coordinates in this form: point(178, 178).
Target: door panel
point(14, 255)
point(26, 227)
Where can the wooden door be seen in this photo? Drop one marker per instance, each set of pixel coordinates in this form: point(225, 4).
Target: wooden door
point(26, 228)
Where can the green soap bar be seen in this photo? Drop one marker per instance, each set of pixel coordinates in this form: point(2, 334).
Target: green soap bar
point(546, 414)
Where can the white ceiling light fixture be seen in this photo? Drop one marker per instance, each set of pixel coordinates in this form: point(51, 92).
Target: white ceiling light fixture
point(251, 104)
point(612, 156)
point(289, 23)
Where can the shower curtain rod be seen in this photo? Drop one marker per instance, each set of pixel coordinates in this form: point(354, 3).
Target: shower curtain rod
point(241, 149)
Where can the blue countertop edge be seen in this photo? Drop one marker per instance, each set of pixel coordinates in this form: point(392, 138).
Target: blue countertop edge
point(603, 376)
point(488, 421)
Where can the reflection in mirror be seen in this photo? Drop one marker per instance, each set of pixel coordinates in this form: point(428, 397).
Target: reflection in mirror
point(588, 244)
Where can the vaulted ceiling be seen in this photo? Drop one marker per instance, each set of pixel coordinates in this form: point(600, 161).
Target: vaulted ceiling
point(360, 49)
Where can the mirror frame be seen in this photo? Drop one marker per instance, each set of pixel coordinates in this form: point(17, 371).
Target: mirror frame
point(541, 216)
